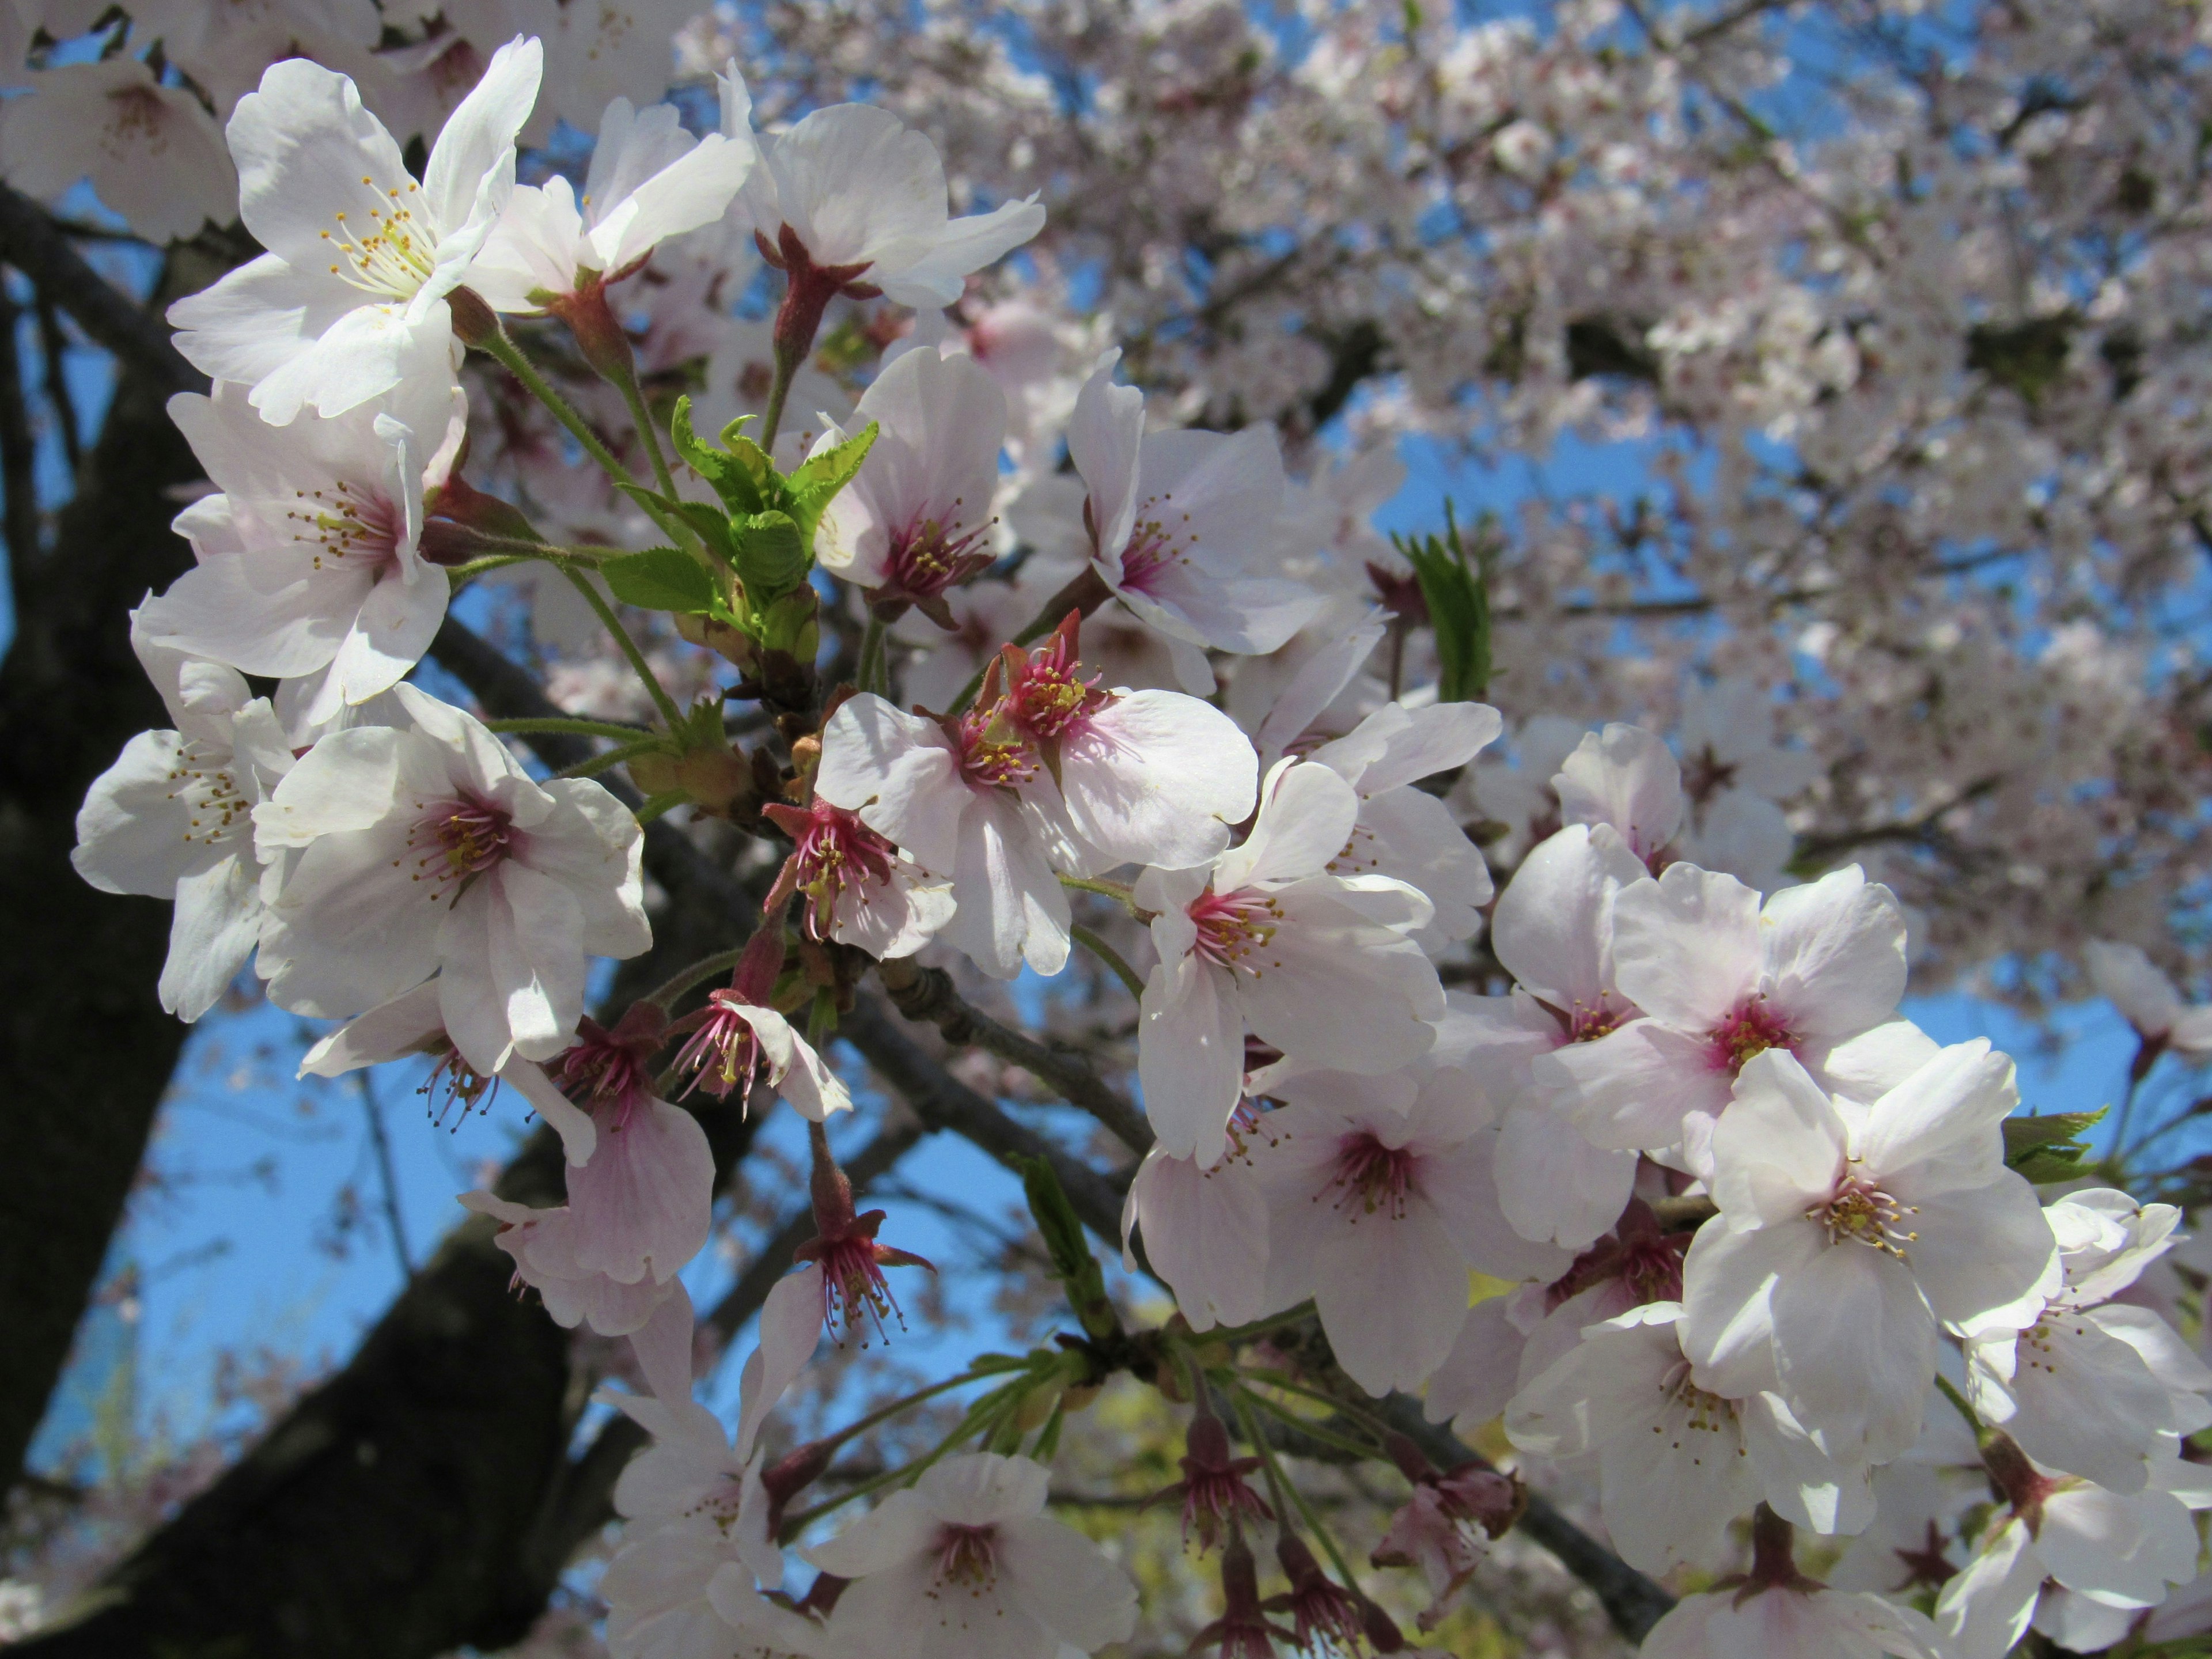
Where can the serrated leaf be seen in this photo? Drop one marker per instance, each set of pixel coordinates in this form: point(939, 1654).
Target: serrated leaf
point(713, 526)
point(726, 473)
point(772, 558)
point(661, 578)
point(651, 500)
point(2051, 1147)
point(816, 484)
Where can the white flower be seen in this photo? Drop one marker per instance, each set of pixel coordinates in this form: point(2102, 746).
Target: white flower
point(1627, 777)
point(431, 848)
point(1676, 1461)
point(648, 180)
point(154, 156)
point(1847, 1232)
point(1180, 522)
point(1553, 931)
point(1733, 774)
point(1404, 831)
point(2093, 1384)
point(1320, 967)
point(1720, 980)
point(171, 819)
point(224, 48)
point(2110, 1555)
point(863, 194)
point(1814, 1623)
point(860, 889)
point(1384, 1181)
point(2146, 998)
point(307, 553)
point(349, 300)
point(965, 1564)
point(916, 519)
point(944, 793)
point(606, 49)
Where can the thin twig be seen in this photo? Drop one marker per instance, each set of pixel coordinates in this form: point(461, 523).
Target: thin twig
point(18, 450)
point(388, 1173)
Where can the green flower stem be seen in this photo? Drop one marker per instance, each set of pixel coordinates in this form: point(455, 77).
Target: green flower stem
point(683, 978)
point(1973, 1422)
point(607, 760)
point(1314, 1431)
point(871, 666)
point(661, 700)
point(1279, 1483)
point(1107, 954)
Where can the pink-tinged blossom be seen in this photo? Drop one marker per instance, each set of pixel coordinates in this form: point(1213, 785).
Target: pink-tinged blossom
point(737, 1042)
point(430, 849)
point(309, 559)
point(1320, 967)
point(916, 520)
point(1215, 1493)
point(1816, 973)
point(151, 153)
point(2093, 1384)
point(1813, 1622)
point(1447, 1525)
point(857, 888)
point(860, 190)
point(350, 299)
point(945, 791)
point(542, 1243)
point(1205, 1231)
point(1847, 1232)
point(1182, 527)
point(1404, 831)
point(2135, 985)
point(1140, 777)
point(2076, 1560)
point(1628, 778)
point(1553, 931)
point(965, 1564)
point(1385, 1180)
point(1676, 1461)
point(1243, 1630)
point(173, 818)
point(1325, 1617)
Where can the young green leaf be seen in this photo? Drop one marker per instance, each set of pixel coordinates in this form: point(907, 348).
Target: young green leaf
point(1072, 1264)
point(2052, 1146)
point(661, 578)
point(732, 480)
point(816, 484)
point(772, 558)
point(1457, 592)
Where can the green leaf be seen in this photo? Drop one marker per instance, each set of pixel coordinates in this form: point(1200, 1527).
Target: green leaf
point(1457, 593)
point(816, 484)
point(713, 527)
point(729, 475)
point(772, 557)
point(2052, 1146)
point(661, 579)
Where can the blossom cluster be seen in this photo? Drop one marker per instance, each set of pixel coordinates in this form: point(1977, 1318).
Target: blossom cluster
point(1040, 665)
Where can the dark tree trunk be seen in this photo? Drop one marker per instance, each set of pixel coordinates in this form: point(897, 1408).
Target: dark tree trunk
point(89, 1049)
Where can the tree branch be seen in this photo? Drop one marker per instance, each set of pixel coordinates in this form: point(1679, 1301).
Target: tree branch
point(34, 245)
point(928, 995)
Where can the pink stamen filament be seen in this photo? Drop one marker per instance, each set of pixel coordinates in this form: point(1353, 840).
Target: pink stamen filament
point(1380, 1178)
point(835, 851)
point(1231, 927)
point(459, 839)
point(346, 524)
point(854, 1289)
point(1860, 1213)
point(968, 1555)
point(722, 1053)
point(1152, 551)
point(932, 554)
point(1750, 1028)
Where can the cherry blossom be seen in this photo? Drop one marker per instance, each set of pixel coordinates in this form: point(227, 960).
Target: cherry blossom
point(2146, 998)
point(429, 848)
point(860, 890)
point(1179, 525)
point(309, 555)
point(917, 520)
point(1816, 972)
point(173, 818)
point(1846, 1233)
point(1204, 1230)
point(965, 1563)
point(1818, 1623)
point(350, 299)
point(150, 151)
point(1318, 965)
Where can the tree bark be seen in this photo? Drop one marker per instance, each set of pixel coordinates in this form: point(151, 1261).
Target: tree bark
point(92, 1051)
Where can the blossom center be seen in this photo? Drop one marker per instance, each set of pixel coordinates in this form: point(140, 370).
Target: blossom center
point(214, 807)
point(1231, 925)
point(968, 1555)
point(835, 851)
point(1704, 1413)
point(349, 528)
point(1379, 1178)
point(459, 841)
point(932, 554)
point(1860, 1213)
point(391, 254)
point(993, 754)
point(723, 1054)
point(1750, 1028)
point(1160, 540)
point(1589, 1021)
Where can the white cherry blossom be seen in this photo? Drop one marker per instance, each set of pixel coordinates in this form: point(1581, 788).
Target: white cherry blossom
point(153, 155)
point(2133, 984)
point(429, 848)
point(1846, 1233)
point(1319, 966)
point(349, 300)
point(308, 556)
